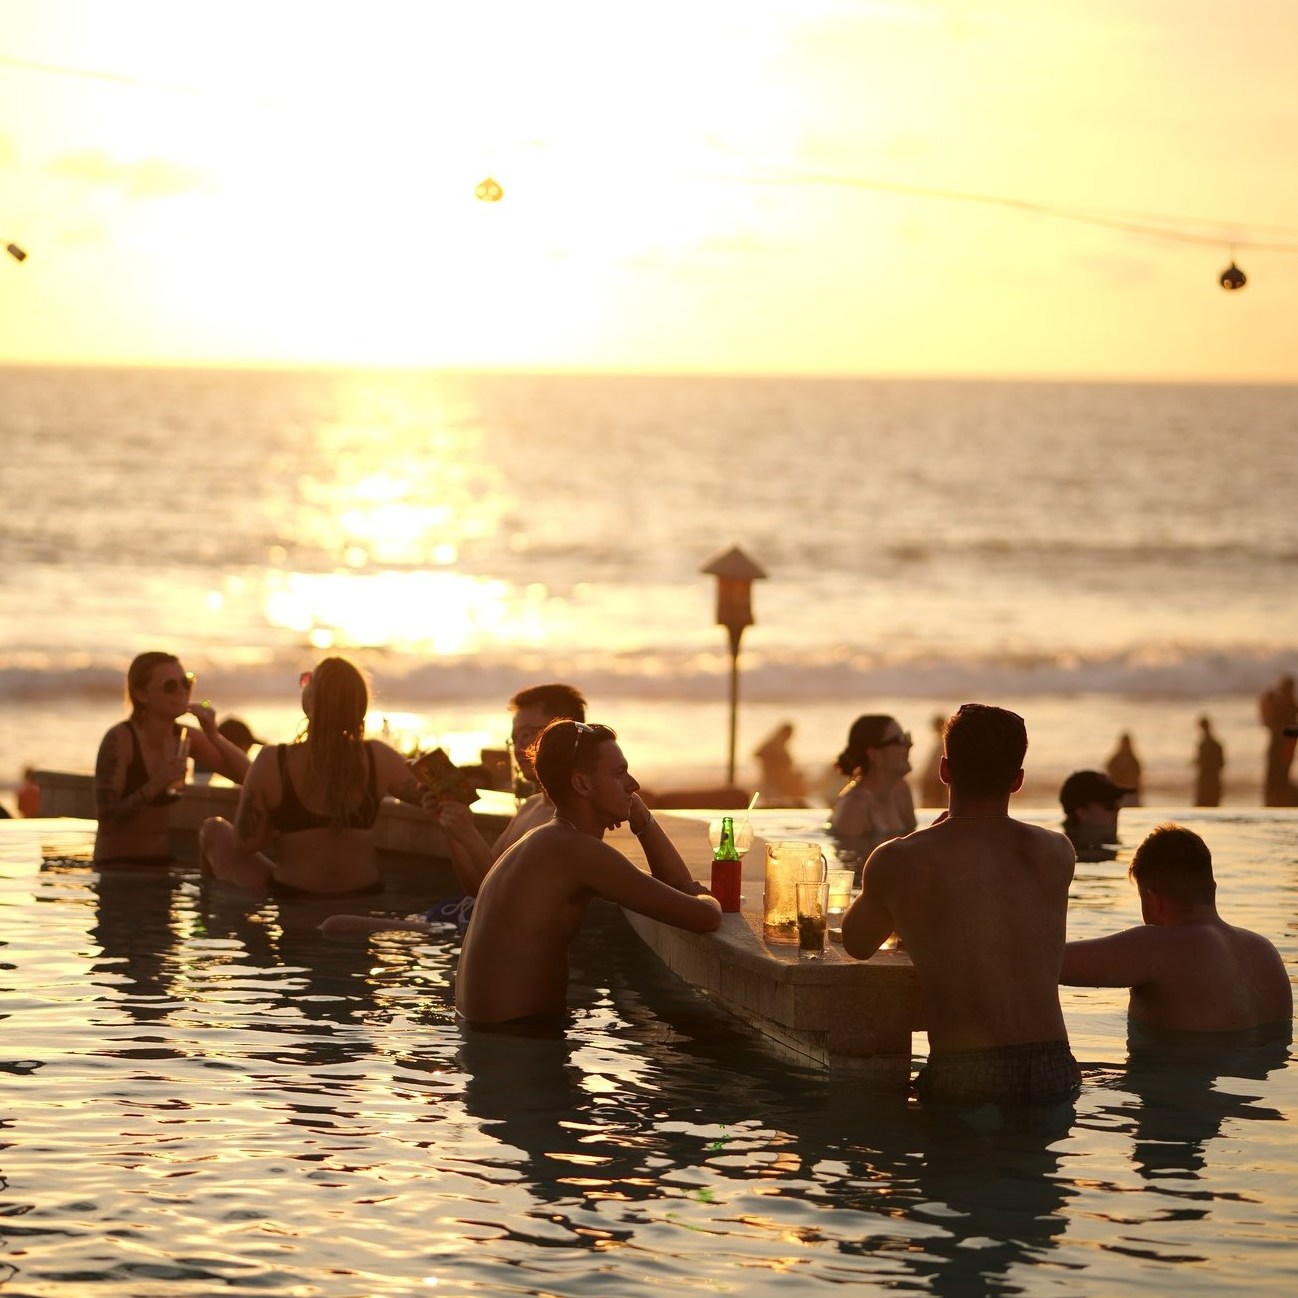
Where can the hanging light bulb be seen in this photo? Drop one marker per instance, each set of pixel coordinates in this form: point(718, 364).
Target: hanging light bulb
point(1232, 278)
point(489, 191)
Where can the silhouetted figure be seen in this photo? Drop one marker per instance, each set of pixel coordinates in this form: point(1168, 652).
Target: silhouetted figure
point(1123, 767)
point(932, 790)
point(1278, 711)
point(781, 782)
point(1209, 758)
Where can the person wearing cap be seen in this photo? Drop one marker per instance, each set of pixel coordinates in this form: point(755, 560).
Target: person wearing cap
point(1091, 802)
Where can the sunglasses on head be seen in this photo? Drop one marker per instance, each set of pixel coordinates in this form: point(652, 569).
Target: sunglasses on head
point(582, 730)
point(173, 686)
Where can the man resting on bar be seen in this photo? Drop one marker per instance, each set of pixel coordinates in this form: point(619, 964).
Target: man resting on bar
point(513, 970)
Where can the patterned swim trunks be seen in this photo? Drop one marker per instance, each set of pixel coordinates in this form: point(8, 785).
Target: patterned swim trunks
point(1037, 1073)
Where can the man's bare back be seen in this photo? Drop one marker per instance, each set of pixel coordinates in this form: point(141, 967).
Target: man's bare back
point(1188, 969)
point(980, 905)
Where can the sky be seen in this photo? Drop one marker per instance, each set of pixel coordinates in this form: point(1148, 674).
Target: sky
point(771, 186)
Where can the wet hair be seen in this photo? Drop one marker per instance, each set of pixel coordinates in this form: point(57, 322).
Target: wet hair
point(984, 747)
point(563, 748)
point(1175, 863)
point(140, 672)
point(865, 734)
point(334, 736)
point(553, 701)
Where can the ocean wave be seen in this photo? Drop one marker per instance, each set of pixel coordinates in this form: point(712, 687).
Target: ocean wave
point(783, 676)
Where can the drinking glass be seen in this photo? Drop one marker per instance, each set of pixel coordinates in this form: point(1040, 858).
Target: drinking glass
point(813, 918)
point(840, 892)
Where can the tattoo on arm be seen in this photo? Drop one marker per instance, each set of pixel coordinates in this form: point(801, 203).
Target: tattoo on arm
point(109, 802)
point(251, 826)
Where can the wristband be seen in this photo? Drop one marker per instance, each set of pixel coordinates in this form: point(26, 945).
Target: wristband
point(648, 825)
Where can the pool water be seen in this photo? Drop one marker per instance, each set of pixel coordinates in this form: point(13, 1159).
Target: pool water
point(204, 1096)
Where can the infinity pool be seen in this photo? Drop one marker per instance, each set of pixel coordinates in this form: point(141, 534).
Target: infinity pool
point(200, 1098)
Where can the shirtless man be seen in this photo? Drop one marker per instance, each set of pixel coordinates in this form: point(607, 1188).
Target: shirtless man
point(979, 901)
point(1186, 967)
point(513, 970)
point(471, 855)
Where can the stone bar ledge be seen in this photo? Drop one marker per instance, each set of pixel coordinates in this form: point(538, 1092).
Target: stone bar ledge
point(832, 1012)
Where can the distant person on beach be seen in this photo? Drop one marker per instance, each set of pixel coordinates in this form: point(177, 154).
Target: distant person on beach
point(876, 803)
point(1209, 760)
point(1278, 710)
point(932, 792)
point(1091, 802)
point(1123, 767)
point(142, 762)
point(1188, 969)
point(316, 799)
point(782, 784)
point(513, 970)
point(980, 902)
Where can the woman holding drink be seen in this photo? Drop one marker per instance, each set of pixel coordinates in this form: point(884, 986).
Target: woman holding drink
point(142, 761)
point(316, 799)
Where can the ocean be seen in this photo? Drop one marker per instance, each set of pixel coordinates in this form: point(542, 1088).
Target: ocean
point(1101, 557)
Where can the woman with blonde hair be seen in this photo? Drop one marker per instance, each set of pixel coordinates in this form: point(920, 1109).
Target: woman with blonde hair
point(315, 799)
point(142, 761)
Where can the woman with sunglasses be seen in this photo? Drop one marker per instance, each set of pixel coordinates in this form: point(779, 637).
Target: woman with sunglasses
point(315, 799)
point(142, 760)
point(876, 804)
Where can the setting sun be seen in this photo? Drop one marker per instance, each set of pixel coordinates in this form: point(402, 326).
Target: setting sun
point(808, 187)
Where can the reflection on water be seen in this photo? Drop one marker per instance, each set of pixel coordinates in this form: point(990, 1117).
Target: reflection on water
point(239, 1104)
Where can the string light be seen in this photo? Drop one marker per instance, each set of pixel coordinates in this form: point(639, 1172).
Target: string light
point(1153, 227)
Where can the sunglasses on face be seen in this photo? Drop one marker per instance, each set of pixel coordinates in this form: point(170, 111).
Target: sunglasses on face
point(173, 686)
point(903, 738)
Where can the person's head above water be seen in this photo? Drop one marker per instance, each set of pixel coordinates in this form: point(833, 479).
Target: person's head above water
point(984, 747)
point(1091, 796)
point(869, 735)
point(143, 678)
point(335, 699)
point(1174, 864)
point(534, 708)
point(585, 774)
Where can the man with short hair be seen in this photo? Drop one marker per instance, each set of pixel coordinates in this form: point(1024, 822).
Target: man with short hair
point(1186, 967)
point(1091, 802)
point(979, 901)
point(513, 970)
point(471, 855)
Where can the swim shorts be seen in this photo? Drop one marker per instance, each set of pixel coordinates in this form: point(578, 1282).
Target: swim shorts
point(1037, 1072)
point(526, 1025)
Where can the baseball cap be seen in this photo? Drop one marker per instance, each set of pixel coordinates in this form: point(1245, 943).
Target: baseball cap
point(1082, 787)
